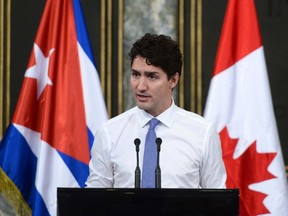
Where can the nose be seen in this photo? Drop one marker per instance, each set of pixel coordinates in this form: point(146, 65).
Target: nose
point(142, 84)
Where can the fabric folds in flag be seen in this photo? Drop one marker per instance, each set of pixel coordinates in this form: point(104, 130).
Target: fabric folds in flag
point(47, 145)
point(239, 103)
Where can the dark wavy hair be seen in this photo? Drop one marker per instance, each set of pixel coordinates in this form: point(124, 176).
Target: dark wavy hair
point(160, 51)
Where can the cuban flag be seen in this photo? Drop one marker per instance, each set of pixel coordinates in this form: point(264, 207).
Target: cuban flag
point(240, 104)
point(47, 145)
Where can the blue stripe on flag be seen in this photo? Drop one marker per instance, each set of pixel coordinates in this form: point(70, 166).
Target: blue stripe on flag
point(19, 163)
point(40, 208)
point(81, 31)
point(79, 170)
point(90, 138)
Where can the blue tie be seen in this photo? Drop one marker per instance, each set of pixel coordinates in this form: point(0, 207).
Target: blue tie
point(150, 156)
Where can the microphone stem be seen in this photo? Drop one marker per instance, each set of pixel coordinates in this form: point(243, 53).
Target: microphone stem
point(137, 173)
point(158, 173)
point(137, 170)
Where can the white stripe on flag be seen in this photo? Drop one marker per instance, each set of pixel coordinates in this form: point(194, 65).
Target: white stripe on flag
point(95, 108)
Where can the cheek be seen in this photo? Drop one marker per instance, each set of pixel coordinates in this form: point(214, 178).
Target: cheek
point(161, 91)
point(132, 83)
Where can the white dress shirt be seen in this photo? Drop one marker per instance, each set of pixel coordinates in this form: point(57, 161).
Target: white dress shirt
point(190, 154)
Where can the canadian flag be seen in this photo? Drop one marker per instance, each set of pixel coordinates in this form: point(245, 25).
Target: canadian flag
point(239, 103)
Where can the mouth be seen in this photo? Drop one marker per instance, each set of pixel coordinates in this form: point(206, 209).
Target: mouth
point(142, 97)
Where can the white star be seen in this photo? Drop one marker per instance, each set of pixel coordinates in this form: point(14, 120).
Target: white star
point(40, 70)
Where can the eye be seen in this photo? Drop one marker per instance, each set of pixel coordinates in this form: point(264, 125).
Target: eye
point(152, 76)
point(135, 74)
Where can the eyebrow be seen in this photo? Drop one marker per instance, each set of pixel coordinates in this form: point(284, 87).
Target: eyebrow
point(145, 72)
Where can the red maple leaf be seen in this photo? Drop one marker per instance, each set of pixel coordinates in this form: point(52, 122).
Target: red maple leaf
point(250, 167)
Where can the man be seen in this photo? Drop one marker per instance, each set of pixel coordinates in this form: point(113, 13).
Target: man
point(190, 154)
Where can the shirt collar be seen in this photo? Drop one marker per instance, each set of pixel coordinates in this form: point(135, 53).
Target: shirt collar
point(166, 117)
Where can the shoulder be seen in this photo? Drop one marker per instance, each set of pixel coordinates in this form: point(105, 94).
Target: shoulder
point(121, 119)
point(117, 123)
point(190, 121)
point(192, 118)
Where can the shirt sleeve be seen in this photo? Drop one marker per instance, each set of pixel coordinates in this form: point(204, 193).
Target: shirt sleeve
point(212, 170)
point(100, 168)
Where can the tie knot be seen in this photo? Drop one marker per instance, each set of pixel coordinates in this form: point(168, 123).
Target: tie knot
point(153, 123)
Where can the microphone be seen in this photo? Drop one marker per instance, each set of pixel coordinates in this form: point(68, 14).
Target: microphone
point(137, 170)
point(158, 142)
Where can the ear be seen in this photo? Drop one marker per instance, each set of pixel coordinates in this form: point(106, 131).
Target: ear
point(174, 80)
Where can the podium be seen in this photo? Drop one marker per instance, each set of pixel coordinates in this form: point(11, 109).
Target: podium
point(125, 201)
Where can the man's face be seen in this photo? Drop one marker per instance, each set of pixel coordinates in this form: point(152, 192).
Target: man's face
point(150, 86)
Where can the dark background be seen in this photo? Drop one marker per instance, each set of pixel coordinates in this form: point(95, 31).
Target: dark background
point(273, 20)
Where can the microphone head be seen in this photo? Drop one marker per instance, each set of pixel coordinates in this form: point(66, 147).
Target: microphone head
point(137, 141)
point(158, 141)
